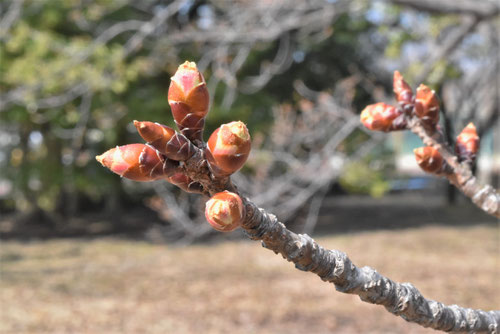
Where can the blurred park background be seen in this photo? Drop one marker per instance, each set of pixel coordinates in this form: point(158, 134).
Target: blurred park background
point(85, 251)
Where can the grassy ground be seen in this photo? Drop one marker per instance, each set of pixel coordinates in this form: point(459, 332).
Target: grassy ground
point(116, 286)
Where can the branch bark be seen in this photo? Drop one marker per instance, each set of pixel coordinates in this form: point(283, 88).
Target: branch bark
point(460, 175)
point(485, 9)
point(448, 46)
point(334, 266)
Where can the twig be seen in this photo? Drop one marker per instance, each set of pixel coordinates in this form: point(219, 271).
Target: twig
point(10, 17)
point(484, 196)
point(449, 45)
point(333, 266)
point(225, 211)
point(485, 8)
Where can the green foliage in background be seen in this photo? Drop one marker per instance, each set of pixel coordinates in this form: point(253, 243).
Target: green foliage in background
point(364, 178)
point(57, 47)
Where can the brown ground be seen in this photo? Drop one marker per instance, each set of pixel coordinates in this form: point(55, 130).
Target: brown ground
point(114, 286)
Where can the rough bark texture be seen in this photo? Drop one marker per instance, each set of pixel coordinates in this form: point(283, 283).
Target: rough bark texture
point(333, 266)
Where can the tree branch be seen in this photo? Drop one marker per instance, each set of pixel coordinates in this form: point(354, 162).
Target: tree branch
point(484, 8)
point(484, 196)
point(10, 17)
point(225, 211)
point(333, 266)
point(450, 44)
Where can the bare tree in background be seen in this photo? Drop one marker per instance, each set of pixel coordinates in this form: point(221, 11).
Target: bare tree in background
point(226, 35)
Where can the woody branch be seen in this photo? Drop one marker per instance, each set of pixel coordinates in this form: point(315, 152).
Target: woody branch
point(183, 159)
point(420, 114)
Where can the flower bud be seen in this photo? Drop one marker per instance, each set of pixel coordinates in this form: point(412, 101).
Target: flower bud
point(179, 148)
point(228, 148)
point(137, 162)
point(467, 144)
point(225, 211)
point(163, 138)
point(402, 90)
point(382, 117)
point(188, 98)
point(427, 106)
point(184, 182)
point(155, 134)
point(429, 159)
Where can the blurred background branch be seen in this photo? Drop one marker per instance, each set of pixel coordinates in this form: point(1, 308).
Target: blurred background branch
point(74, 74)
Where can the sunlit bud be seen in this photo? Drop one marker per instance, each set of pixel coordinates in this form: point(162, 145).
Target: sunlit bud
point(137, 162)
point(156, 134)
point(467, 143)
point(225, 211)
point(429, 159)
point(183, 181)
point(382, 117)
point(228, 148)
point(189, 100)
point(427, 106)
point(163, 138)
point(401, 89)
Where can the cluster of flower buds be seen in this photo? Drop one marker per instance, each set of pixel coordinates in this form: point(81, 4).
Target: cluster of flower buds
point(467, 144)
point(429, 159)
point(424, 105)
point(166, 154)
point(225, 211)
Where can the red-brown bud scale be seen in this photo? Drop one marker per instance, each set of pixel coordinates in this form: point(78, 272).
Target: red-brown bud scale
point(427, 106)
point(429, 159)
point(402, 90)
point(168, 142)
point(467, 144)
point(155, 134)
point(184, 182)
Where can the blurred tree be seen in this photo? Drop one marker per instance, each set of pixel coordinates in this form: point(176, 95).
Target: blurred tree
point(74, 74)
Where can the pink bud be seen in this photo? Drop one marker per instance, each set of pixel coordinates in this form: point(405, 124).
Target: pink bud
point(228, 148)
point(137, 162)
point(225, 211)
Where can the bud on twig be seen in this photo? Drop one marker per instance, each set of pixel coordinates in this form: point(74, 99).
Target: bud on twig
point(467, 144)
point(188, 97)
point(402, 90)
point(137, 162)
point(427, 106)
point(225, 211)
point(383, 117)
point(228, 148)
point(163, 138)
point(156, 134)
point(429, 159)
point(183, 181)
